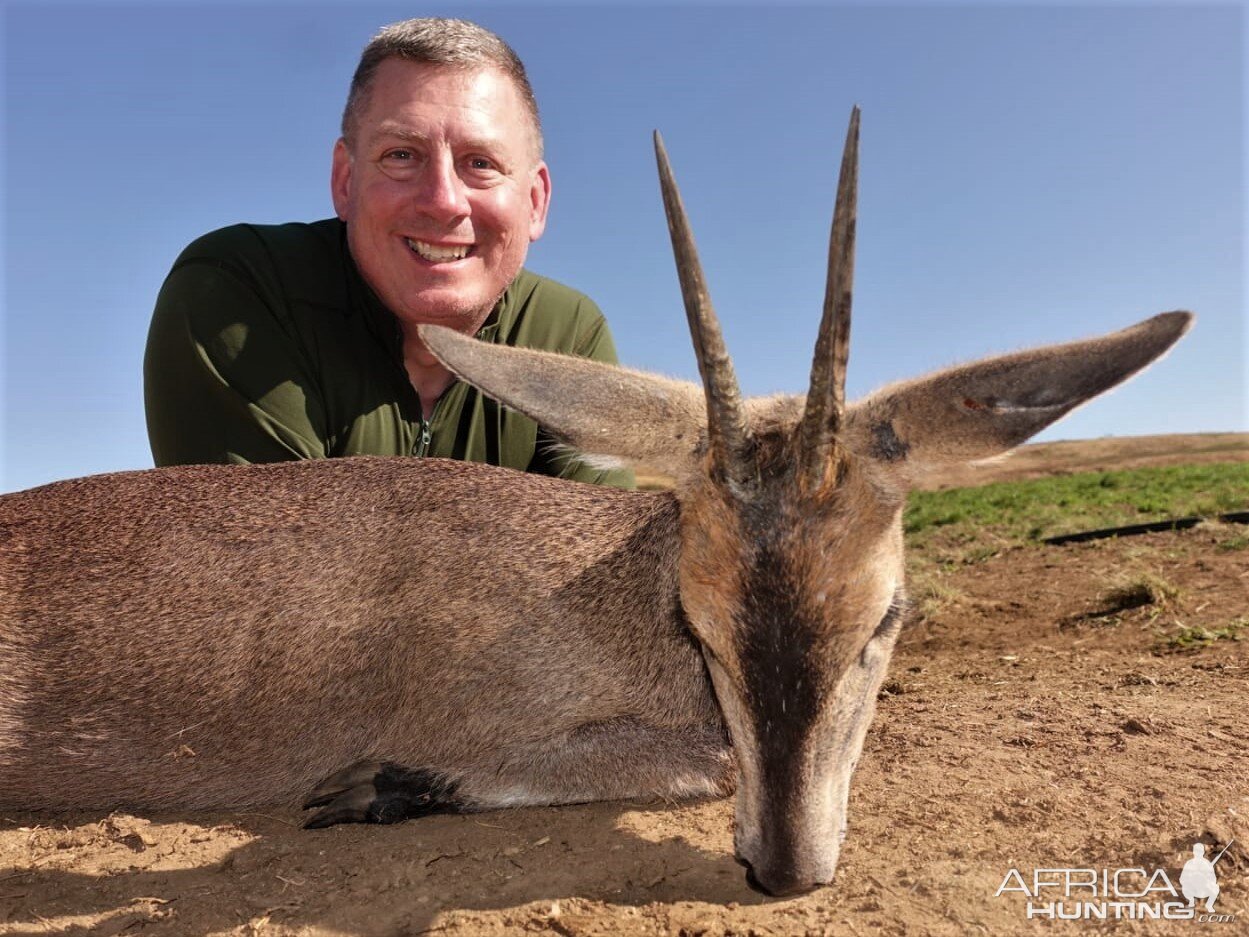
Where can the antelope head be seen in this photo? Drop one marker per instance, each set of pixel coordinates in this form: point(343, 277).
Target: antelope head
point(791, 560)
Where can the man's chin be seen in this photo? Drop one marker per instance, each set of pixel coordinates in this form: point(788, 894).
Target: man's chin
point(461, 315)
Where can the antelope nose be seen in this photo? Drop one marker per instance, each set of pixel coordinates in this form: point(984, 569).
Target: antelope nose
point(778, 885)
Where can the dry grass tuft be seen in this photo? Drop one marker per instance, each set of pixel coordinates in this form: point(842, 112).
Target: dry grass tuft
point(1137, 591)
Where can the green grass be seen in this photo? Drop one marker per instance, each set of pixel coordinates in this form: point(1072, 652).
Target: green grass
point(1018, 512)
point(1233, 543)
point(1196, 637)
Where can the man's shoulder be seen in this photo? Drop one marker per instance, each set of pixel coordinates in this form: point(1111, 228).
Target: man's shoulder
point(301, 260)
point(530, 290)
point(538, 312)
point(260, 242)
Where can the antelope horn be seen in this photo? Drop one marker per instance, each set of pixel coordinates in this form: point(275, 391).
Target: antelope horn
point(818, 448)
point(726, 420)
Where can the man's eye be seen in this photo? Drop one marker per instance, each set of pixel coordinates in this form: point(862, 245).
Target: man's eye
point(398, 155)
point(480, 163)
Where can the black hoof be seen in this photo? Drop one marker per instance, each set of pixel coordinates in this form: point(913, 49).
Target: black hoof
point(379, 792)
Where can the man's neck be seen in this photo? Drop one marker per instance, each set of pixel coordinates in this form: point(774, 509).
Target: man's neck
point(428, 377)
point(430, 384)
point(426, 373)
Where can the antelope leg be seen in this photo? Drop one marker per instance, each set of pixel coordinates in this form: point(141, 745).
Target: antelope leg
point(607, 760)
point(610, 759)
point(379, 792)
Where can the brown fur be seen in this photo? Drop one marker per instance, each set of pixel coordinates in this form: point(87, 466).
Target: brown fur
point(218, 636)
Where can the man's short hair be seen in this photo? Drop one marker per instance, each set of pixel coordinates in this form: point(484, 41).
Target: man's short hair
point(450, 42)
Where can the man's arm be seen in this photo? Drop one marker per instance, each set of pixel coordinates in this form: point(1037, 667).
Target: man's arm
point(224, 381)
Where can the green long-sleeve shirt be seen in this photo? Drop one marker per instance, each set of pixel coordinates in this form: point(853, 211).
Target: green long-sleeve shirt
point(267, 345)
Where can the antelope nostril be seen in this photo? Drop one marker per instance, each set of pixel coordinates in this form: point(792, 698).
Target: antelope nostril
point(781, 886)
point(751, 880)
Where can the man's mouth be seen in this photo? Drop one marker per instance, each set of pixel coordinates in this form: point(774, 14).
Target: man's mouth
point(439, 253)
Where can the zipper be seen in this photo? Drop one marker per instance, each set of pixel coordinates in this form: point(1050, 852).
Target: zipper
point(422, 441)
point(425, 433)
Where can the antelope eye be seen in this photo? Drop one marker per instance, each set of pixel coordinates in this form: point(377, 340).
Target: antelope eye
point(891, 621)
point(888, 626)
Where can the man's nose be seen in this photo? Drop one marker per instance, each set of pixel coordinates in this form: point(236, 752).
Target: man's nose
point(442, 194)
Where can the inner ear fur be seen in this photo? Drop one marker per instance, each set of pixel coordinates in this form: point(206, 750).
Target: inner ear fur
point(598, 409)
point(979, 410)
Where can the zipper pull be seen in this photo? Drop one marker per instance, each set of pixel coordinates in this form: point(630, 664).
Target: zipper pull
point(422, 445)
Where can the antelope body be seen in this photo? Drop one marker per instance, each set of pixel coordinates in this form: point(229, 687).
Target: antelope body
point(421, 635)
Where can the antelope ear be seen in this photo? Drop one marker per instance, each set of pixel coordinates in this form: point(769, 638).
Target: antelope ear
point(975, 411)
point(599, 409)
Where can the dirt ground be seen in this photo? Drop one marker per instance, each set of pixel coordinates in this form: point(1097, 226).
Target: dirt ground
point(1032, 719)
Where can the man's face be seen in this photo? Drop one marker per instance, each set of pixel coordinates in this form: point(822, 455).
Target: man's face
point(441, 190)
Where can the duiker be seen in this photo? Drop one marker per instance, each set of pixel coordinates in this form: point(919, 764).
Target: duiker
point(429, 636)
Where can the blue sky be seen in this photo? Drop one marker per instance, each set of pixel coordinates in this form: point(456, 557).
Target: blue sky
point(1030, 174)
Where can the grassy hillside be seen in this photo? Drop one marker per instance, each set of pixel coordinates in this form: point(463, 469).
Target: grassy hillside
point(1029, 510)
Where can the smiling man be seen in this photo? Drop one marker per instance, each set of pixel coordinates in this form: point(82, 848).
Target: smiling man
point(300, 341)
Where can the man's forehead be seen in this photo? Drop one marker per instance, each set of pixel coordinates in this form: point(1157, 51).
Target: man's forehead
point(410, 80)
point(485, 100)
point(400, 131)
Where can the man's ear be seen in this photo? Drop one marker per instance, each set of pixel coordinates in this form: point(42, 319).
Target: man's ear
point(340, 179)
point(539, 200)
point(598, 409)
point(979, 410)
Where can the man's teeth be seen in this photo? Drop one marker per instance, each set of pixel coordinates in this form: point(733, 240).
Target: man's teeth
point(438, 254)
